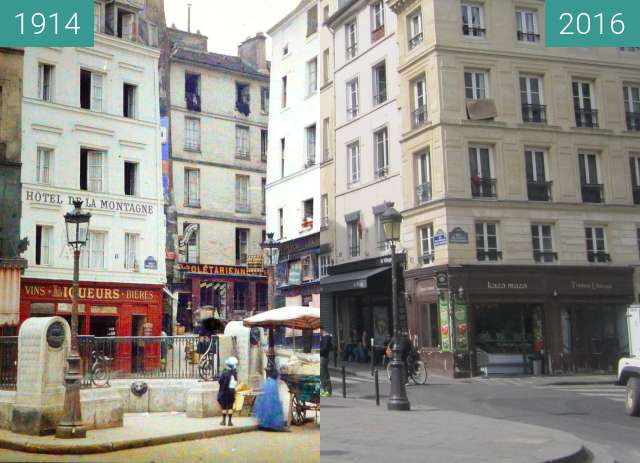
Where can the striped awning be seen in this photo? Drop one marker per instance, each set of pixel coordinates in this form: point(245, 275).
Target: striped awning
point(10, 271)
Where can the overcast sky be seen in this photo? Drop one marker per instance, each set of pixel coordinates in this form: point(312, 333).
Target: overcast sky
point(228, 23)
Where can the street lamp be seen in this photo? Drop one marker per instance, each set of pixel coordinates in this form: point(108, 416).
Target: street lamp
point(271, 254)
point(391, 222)
point(70, 426)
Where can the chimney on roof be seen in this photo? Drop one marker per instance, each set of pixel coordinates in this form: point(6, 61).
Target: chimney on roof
point(254, 51)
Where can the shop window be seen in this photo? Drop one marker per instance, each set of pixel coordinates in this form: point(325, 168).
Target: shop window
point(243, 98)
point(42, 309)
point(242, 245)
point(92, 170)
point(91, 90)
point(43, 245)
point(430, 325)
point(129, 93)
point(130, 178)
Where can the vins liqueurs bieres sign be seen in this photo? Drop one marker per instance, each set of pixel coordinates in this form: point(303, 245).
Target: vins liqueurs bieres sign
point(62, 292)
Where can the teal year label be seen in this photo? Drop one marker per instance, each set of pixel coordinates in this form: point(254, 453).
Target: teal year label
point(46, 23)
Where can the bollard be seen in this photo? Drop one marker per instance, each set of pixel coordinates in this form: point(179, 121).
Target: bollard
point(335, 358)
point(377, 388)
point(373, 355)
point(344, 383)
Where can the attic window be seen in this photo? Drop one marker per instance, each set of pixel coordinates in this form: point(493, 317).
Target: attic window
point(243, 98)
point(126, 24)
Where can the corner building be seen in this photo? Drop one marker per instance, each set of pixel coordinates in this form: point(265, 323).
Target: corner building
point(90, 122)
point(521, 190)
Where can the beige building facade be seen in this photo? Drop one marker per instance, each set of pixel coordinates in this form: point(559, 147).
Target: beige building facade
point(520, 184)
point(219, 135)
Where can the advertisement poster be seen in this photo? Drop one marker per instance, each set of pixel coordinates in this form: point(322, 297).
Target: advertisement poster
point(462, 331)
point(380, 324)
point(443, 308)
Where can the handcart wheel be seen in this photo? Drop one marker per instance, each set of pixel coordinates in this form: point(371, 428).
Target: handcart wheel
point(299, 411)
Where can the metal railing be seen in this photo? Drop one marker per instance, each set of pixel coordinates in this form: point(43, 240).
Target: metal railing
point(587, 118)
point(351, 51)
point(8, 362)
point(545, 256)
point(483, 187)
point(598, 256)
point(633, 121)
point(423, 192)
point(380, 97)
point(539, 191)
point(415, 40)
point(528, 36)
point(174, 357)
point(534, 113)
point(382, 171)
point(352, 112)
point(428, 258)
point(419, 117)
point(488, 255)
point(193, 101)
point(473, 31)
point(592, 193)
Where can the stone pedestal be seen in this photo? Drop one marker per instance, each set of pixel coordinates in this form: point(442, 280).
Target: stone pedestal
point(43, 346)
point(202, 401)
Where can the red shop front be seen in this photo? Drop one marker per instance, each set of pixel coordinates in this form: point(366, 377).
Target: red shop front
point(104, 309)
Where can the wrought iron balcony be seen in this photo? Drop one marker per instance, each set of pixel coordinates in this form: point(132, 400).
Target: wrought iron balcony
point(483, 187)
point(534, 113)
point(587, 118)
point(539, 191)
point(382, 172)
point(193, 101)
point(598, 256)
point(352, 112)
point(354, 251)
point(419, 117)
point(415, 40)
point(633, 121)
point(592, 193)
point(528, 36)
point(428, 258)
point(545, 256)
point(636, 195)
point(423, 192)
point(473, 31)
point(489, 255)
point(380, 97)
point(351, 51)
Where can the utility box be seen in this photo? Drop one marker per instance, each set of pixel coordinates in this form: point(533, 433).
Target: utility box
point(633, 324)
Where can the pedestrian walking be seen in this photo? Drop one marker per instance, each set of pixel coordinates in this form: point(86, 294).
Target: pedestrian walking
point(326, 346)
point(227, 391)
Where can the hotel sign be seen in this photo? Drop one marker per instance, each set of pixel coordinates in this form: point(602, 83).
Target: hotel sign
point(89, 202)
point(221, 270)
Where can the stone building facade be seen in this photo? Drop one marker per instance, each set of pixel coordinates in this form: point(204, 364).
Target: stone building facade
point(11, 265)
point(528, 244)
point(219, 135)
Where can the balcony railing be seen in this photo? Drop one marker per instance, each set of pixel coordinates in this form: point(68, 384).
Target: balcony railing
point(193, 101)
point(428, 258)
point(473, 31)
point(423, 192)
point(352, 112)
point(311, 161)
point(528, 36)
point(415, 40)
point(489, 255)
point(243, 154)
point(534, 113)
point(483, 187)
point(419, 117)
point(587, 118)
point(592, 193)
point(380, 97)
point(382, 172)
point(539, 191)
point(545, 256)
point(242, 206)
point(636, 195)
point(598, 256)
point(633, 121)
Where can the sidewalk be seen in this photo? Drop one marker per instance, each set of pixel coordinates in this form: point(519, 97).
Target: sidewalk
point(139, 430)
point(357, 430)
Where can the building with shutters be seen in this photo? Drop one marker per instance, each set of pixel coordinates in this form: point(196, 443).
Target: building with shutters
point(527, 243)
point(219, 135)
point(293, 170)
point(90, 124)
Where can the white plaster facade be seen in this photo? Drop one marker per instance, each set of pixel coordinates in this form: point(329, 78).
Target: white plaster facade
point(61, 126)
point(375, 47)
point(300, 180)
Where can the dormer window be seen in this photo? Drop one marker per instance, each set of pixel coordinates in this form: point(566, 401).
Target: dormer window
point(126, 25)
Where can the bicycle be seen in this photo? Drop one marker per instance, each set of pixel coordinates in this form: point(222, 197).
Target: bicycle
point(206, 366)
point(416, 369)
point(100, 369)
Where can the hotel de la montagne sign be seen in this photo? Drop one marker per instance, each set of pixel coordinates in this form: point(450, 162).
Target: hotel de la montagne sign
point(89, 202)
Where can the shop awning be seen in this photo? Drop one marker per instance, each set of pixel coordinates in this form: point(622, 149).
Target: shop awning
point(10, 271)
point(350, 280)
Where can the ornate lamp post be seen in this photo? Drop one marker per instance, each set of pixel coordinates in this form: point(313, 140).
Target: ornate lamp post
point(391, 222)
point(70, 425)
point(271, 254)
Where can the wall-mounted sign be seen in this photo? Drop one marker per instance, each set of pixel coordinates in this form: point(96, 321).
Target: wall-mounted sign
point(150, 263)
point(254, 264)
point(440, 238)
point(89, 202)
point(222, 270)
point(442, 280)
point(62, 292)
point(458, 236)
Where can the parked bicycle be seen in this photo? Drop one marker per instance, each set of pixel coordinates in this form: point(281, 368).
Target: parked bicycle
point(207, 367)
point(100, 369)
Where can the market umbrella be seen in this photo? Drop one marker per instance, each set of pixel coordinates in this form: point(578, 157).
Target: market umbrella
point(296, 317)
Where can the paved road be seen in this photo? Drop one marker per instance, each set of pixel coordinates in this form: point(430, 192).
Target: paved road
point(300, 446)
point(591, 408)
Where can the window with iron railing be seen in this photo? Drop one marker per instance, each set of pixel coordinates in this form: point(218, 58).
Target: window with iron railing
point(539, 190)
point(632, 106)
point(423, 192)
point(351, 32)
point(473, 20)
point(592, 190)
point(527, 26)
point(534, 113)
point(427, 247)
point(634, 167)
point(483, 187)
point(596, 243)
point(584, 104)
point(414, 26)
point(542, 242)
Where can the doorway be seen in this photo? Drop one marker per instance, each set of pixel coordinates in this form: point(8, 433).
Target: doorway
point(137, 344)
point(594, 343)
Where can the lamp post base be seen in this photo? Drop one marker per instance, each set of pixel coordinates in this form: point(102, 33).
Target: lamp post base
point(70, 426)
point(398, 400)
